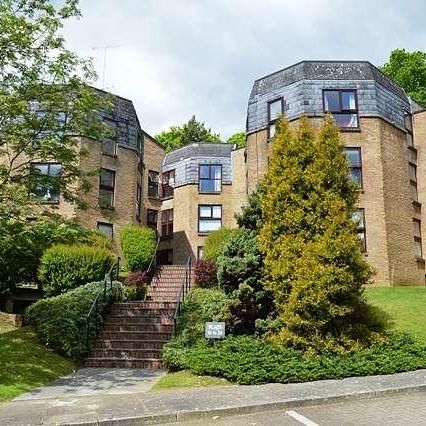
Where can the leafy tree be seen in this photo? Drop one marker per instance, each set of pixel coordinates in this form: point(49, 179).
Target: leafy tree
point(191, 132)
point(215, 242)
point(44, 102)
point(408, 69)
point(312, 255)
point(251, 216)
point(238, 139)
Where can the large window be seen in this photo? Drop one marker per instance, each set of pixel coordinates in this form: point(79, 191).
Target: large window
point(106, 189)
point(46, 181)
point(210, 178)
point(168, 183)
point(409, 128)
point(359, 218)
point(275, 110)
point(153, 178)
point(109, 141)
point(152, 218)
point(106, 229)
point(167, 223)
point(209, 217)
point(412, 172)
point(417, 238)
point(355, 165)
point(138, 202)
point(343, 105)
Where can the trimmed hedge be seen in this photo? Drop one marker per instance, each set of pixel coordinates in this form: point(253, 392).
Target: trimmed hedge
point(60, 321)
point(63, 268)
point(248, 361)
point(138, 246)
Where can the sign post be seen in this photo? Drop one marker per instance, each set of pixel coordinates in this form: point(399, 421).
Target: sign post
point(215, 330)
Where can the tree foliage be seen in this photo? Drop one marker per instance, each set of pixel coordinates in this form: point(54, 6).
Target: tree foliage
point(312, 255)
point(238, 139)
point(251, 216)
point(44, 102)
point(190, 132)
point(408, 69)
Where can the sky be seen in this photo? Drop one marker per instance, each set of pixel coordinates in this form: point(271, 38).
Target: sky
point(176, 58)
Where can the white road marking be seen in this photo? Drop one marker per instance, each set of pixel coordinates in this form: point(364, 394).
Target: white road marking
point(302, 419)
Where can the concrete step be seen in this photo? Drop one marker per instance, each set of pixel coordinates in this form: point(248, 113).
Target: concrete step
point(122, 363)
point(140, 320)
point(134, 335)
point(143, 313)
point(162, 328)
point(130, 344)
point(121, 353)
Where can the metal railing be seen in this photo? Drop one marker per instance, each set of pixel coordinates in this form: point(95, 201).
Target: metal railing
point(103, 298)
point(152, 268)
point(184, 289)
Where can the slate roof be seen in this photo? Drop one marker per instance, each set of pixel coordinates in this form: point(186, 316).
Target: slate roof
point(324, 70)
point(200, 149)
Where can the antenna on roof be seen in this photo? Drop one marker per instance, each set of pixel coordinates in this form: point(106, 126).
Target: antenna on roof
point(104, 58)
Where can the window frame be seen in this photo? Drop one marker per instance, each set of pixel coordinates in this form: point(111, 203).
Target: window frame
point(110, 138)
point(107, 188)
point(343, 111)
point(362, 230)
point(167, 191)
point(148, 222)
point(200, 252)
point(413, 183)
point(168, 224)
point(200, 179)
point(418, 238)
point(138, 201)
point(273, 121)
point(209, 217)
point(355, 148)
point(156, 196)
point(33, 166)
point(109, 225)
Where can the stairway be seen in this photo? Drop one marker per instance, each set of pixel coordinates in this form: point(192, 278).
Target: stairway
point(134, 333)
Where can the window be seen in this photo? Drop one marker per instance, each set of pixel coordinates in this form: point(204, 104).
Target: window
point(200, 252)
point(165, 257)
point(359, 218)
point(152, 218)
point(167, 223)
point(50, 123)
point(409, 129)
point(138, 202)
point(153, 178)
point(355, 165)
point(209, 218)
point(106, 189)
point(109, 141)
point(343, 105)
point(168, 183)
point(412, 173)
point(106, 229)
point(140, 154)
point(46, 181)
point(210, 178)
point(417, 238)
point(275, 110)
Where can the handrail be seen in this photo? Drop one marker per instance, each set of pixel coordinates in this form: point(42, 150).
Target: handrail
point(153, 263)
point(103, 294)
point(184, 288)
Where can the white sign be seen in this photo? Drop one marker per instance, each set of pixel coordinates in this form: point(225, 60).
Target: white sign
point(215, 330)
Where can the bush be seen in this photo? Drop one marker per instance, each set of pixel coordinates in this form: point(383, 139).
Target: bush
point(206, 274)
point(214, 243)
point(201, 305)
point(63, 268)
point(136, 285)
point(138, 246)
point(60, 321)
point(249, 361)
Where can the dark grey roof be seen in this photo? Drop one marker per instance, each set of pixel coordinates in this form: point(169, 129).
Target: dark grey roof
point(415, 107)
point(200, 149)
point(324, 70)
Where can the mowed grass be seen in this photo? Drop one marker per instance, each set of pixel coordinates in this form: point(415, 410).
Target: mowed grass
point(185, 379)
point(26, 364)
point(406, 307)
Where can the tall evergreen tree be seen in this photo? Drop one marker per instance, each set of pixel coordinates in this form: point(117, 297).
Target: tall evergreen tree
point(313, 260)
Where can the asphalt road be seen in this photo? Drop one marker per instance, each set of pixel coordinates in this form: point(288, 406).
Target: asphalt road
point(401, 409)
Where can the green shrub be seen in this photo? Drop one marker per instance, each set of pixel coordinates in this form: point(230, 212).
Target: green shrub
point(201, 305)
point(63, 267)
point(60, 321)
point(214, 243)
point(138, 246)
point(248, 361)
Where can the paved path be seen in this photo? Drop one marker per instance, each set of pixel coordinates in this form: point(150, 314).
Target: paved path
point(92, 403)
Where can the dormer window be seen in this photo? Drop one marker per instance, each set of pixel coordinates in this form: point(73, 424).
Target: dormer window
point(342, 104)
point(210, 178)
point(275, 110)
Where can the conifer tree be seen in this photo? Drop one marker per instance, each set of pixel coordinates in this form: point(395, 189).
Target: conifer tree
point(313, 261)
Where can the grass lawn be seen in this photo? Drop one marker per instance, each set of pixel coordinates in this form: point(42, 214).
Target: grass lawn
point(405, 305)
point(185, 379)
point(26, 364)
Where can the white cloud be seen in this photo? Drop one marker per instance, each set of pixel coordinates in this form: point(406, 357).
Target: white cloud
point(177, 58)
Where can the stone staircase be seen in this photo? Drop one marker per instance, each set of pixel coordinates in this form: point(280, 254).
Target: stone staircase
point(134, 333)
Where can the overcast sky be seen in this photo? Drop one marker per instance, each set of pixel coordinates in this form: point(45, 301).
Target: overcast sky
point(175, 58)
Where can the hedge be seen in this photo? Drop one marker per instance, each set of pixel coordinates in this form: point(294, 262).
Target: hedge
point(138, 246)
point(63, 268)
point(60, 321)
point(215, 242)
